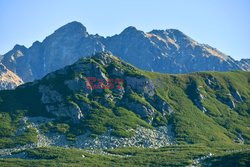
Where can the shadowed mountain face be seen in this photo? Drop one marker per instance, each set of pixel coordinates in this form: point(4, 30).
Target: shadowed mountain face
point(65, 46)
point(166, 51)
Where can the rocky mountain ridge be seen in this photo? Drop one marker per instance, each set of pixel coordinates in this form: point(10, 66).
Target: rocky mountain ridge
point(165, 51)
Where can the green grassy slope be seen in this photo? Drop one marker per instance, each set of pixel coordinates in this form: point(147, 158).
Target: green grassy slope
point(182, 155)
point(209, 107)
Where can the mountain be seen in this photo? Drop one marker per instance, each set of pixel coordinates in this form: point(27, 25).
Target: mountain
point(65, 46)
point(120, 115)
point(245, 64)
point(137, 108)
point(8, 80)
point(166, 51)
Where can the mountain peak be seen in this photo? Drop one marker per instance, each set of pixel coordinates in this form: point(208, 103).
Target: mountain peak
point(131, 30)
point(19, 47)
point(170, 32)
point(72, 27)
point(178, 34)
point(166, 51)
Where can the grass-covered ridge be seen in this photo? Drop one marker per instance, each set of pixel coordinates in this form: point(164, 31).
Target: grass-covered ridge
point(205, 107)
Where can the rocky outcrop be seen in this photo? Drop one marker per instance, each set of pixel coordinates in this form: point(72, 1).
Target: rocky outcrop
point(160, 105)
point(166, 51)
point(144, 111)
point(8, 80)
point(56, 105)
point(245, 64)
point(142, 85)
point(194, 92)
point(236, 95)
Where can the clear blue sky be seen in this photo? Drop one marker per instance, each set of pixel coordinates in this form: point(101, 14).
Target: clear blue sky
point(223, 24)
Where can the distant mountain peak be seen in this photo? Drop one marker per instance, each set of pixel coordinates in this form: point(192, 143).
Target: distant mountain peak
point(72, 27)
point(175, 31)
point(166, 51)
point(19, 47)
point(131, 30)
point(167, 31)
point(245, 64)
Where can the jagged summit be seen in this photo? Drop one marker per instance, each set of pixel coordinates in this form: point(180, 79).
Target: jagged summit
point(165, 51)
point(17, 51)
point(168, 31)
point(72, 27)
point(19, 47)
point(131, 30)
point(175, 35)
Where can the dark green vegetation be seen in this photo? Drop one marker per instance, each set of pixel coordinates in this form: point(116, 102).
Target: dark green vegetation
point(207, 108)
point(220, 122)
point(8, 132)
point(182, 155)
point(241, 158)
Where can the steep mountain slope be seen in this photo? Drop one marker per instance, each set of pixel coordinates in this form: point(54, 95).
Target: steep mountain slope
point(245, 64)
point(167, 51)
point(8, 80)
point(147, 110)
point(63, 47)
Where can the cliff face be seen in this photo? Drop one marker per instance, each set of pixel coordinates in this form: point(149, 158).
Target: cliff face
point(8, 80)
point(166, 51)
